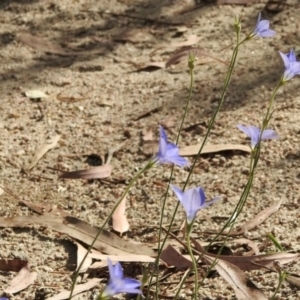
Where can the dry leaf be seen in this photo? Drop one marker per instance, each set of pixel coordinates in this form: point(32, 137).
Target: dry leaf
point(69, 99)
point(78, 289)
point(107, 242)
point(1, 191)
point(258, 219)
point(249, 243)
point(122, 258)
point(103, 171)
point(98, 265)
point(171, 257)
point(23, 279)
point(147, 113)
point(244, 289)
point(41, 151)
point(119, 220)
point(35, 94)
point(183, 53)
point(81, 252)
point(191, 40)
point(168, 122)
point(294, 280)
point(12, 265)
point(151, 66)
point(147, 134)
point(194, 149)
point(250, 263)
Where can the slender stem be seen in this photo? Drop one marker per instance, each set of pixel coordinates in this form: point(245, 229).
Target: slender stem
point(281, 279)
point(188, 238)
point(150, 164)
point(211, 122)
point(160, 247)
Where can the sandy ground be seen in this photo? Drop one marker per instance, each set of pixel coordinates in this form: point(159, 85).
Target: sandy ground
point(97, 97)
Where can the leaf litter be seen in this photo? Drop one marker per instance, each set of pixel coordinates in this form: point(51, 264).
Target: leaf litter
point(43, 45)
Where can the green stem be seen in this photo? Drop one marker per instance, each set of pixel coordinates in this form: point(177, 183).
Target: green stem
point(211, 122)
point(160, 247)
point(189, 230)
point(150, 164)
point(281, 279)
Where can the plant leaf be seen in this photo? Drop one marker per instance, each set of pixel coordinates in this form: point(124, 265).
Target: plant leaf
point(92, 173)
point(258, 219)
point(23, 279)
point(119, 220)
point(194, 149)
point(48, 144)
point(243, 287)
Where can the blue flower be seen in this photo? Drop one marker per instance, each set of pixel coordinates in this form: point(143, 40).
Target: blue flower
point(168, 152)
point(118, 284)
point(254, 133)
point(292, 66)
point(262, 28)
point(192, 200)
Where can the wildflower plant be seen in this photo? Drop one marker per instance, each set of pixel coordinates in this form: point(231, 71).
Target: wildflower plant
point(292, 66)
point(169, 152)
point(262, 28)
point(194, 199)
point(118, 283)
point(256, 135)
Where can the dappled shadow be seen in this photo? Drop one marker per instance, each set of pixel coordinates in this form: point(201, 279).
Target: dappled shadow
point(94, 36)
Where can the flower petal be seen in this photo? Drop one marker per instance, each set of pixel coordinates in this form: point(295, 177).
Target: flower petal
point(169, 152)
point(178, 192)
point(285, 59)
point(131, 286)
point(193, 204)
point(269, 134)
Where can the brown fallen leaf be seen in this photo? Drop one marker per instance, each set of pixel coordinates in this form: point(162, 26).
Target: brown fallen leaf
point(236, 2)
point(183, 53)
point(168, 122)
point(69, 99)
point(147, 113)
point(1, 191)
point(122, 258)
point(250, 263)
point(249, 243)
point(191, 40)
point(119, 220)
point(99, 172)
point(151, 66)
point(147, 134)
point(77, 290)
point(293, 280)
point(48, 144)
point(23, 279)
point(258, 219)
point(12, 265)
point(107, 242)
point(35, 94)
point(194, 149)
point(81, 252)
point(171, 257)
point(243, 287)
